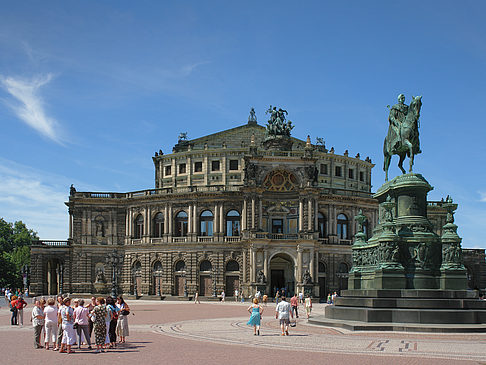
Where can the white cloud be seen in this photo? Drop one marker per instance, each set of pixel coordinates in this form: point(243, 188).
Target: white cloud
point(35, 198)
point(482, 196)
point(29, 106)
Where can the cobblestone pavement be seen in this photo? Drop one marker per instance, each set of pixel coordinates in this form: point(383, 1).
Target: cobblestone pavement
point(213, 333)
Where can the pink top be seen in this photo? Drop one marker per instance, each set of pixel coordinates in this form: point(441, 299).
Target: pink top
point(51, 313)
point(81, 315)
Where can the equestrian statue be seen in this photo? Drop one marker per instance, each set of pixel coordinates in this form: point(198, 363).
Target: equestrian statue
point(403, 135)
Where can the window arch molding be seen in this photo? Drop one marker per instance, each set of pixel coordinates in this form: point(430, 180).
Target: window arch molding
point(233, 223)
point(206, 223)
point(158, 225)
point(139, 226)
point(181, 224)
point(343, 226)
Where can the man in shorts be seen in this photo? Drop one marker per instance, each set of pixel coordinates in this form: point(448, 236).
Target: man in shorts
point(283, 313)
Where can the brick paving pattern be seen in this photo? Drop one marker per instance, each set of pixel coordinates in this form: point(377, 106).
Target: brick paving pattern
point(216, 333)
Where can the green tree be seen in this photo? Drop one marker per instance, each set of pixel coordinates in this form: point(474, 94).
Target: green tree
point(15, 242)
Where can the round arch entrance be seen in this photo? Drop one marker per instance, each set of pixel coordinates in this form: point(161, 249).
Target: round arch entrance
point(282, 274)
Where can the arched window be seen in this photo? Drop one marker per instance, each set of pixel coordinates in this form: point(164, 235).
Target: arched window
point(157, 268)
point(206, 223)
point(158, 225)
point(342, 227)
point(180, 266)
point(343, 268)
point(138, 227)
point(321, 224)
point(205, 266)
point(232, 265)
point(233, 223)
point(181, 224)
point(321, 268)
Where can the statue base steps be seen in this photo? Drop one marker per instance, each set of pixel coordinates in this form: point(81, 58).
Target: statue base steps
point(413, 310)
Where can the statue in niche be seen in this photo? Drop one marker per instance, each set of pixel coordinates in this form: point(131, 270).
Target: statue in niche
point(100, 228)
point(100, 275)
point(306, 278)
point(261, 277)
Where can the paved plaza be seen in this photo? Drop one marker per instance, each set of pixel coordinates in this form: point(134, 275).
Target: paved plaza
point(216, 333)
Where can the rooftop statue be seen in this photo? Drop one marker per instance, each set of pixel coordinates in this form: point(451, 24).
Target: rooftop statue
point(252, 117)
point(277, 125)
point(403, 135)
point(182, 137)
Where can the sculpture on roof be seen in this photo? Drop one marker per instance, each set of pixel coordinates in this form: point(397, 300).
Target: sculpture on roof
point(182, 137)
point(252, 117)
point(403, 135)
point(277, 124)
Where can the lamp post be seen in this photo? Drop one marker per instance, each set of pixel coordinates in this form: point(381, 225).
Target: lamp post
point(114, 259)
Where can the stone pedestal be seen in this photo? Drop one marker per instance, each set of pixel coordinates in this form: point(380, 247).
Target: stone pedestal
point(406, 277)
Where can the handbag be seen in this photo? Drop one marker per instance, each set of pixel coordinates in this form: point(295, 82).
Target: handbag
point(75, 326)
point(293, 323)
point(125, 312)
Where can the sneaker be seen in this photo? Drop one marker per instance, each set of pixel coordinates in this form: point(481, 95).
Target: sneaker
point(258, 332)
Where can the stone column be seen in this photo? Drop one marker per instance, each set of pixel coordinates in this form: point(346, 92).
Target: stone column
point(171, 221)
point(244, 267)
point(70, 223)
point(189, 220)
point(260, 213)
point(195, 228)
point(253, 213)
point(244, 216)
point(148, 215)
point(221, 219)
point(166, 220)
point(216, 218)
point(301, 215)
point(253, 264)
point(130, 223)
point(311, 265)
point(316, 215)
point(265, 264)
point(309, 214)
point(299, 264)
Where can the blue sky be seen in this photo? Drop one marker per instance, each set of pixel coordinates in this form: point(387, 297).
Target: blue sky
point(89, 90)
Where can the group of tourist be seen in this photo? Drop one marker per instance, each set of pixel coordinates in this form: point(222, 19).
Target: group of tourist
point(284, 311)
point(67, 319)
point(332, 297)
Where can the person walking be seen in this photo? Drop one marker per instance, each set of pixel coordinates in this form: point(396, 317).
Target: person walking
point(308, 305)
point(294, 303)
point(68, 332)
point(99, 327)
point(90, 307)
point(81, 321)
point(236, 295)
point(223, 295)
point(265, 299)
point(283, 313)
point(110, 304)
point(256, 311)
point(196, 298)
point(13, 309)
point(20, 304)
point(37, 323)
point(50, 324)
point(60, 303)
point(122, 325)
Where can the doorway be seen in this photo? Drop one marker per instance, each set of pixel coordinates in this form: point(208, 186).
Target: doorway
point(282, 274)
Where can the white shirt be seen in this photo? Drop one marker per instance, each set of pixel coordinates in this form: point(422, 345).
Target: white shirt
point(37, 312)
point(51, 313)
point(283, 309)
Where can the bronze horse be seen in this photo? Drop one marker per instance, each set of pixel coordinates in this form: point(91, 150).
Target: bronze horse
point(408, 144)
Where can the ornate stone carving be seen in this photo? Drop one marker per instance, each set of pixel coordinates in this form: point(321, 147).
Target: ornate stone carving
point(261, 277)
point(306, 278)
